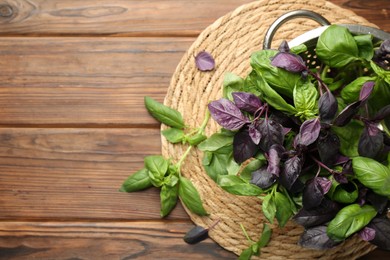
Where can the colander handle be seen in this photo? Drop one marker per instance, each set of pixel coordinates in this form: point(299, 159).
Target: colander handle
point(287, 17)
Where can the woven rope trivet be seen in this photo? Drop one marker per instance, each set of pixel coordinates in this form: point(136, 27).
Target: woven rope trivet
point(231, 40)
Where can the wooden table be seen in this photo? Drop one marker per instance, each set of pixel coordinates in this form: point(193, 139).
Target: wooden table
point(73, 75)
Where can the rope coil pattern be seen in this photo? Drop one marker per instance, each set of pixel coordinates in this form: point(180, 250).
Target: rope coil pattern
point(231, 40)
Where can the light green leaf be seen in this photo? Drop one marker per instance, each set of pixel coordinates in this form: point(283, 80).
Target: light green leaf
point(215, 142)
point(269, 207)
point(168, 197)
point(283, 209)
point(349, 136)
point(265, 236)
point(173, 135)
point(164, 114)
point(190, 197)
point(350, 93)
point(137, 181)
point(365, 46)
point(232, 83)
point(305, 100)
point(236, 185)
point(157, 167)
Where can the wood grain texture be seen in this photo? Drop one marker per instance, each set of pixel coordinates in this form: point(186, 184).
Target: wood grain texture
point(76, 173)
point(84, 81)
point(103, 240)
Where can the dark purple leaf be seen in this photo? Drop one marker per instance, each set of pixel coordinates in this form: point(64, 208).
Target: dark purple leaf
point(325, 184)
point(382, 55)
point(382, 232)
point(243, 146)
point(383, 113)
point(340, 178)
point(286, 130)
point(327, 106)
point(328, 146)
point(347, 114)
point(288, 61)
point(370, 142)
point(254, 133)
point(366, 90)
point(367, 234)
point(204, 61)
point(246, 101)
point(341, 159)
point(263, 178)
point(316, 238)
point(227, 114)
point(377, 201)
point(361, 200)
point(196, 234)
point(309, 132)
point(291, 170)
point(274, 155)
point(271, 133)
point(283, 47)
point(325, 212)
point(313, 194)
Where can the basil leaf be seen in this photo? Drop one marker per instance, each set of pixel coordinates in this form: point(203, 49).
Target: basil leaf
point(316, 238)
point(350, 93)
point(232, 83)
point(269, 207)
point(372, 174)
point(283, 209)
point(190, 197)
point(252, 166)
point(235, 185)
point(325, 212)
point(273, 98)
point(265, 236)
point(168, 197)
point(365, 46)
point(215, 142)
point(164, 114)
point(349, 136)
point(157, 167)
point(382, 232)
point(173, 135)
point(344, 193)
point(336, 47)
point(196, 139)
point(246, 254)
point(227, 114)
point(349, 220)
point(305, 100)
point(137, 181)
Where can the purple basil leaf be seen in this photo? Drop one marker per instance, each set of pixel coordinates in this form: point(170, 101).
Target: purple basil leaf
point(246, 101)
point(366, 90)
point(286, 130)
point(382, 55)
point(382, 232)
point(309, 132)
point(327, 107)
point(227, 114)
point(347, 114)
point(325, 184)
point(367, 234)
point(370, 142)
point(383, 113)
point(243, 146)
point(288, 61)
point(341, 159)
point(328, 146)
point(254, 133)
point(377, 201)
point(316, 238)
point(274, 155)
point(325, 212)
point(361, 200)
point(291, 170)
point(204, 61)
point(263, 178)
point(340, 178)
point(271, 133)
point(283, 47)
point(313, 194)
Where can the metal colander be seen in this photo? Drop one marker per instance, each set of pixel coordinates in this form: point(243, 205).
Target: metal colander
point(310, 38)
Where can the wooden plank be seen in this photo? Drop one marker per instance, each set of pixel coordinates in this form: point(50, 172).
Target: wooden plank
point(135, 18)
point(76, 173)
point(119, 17)
point(103, 240)
point(88, 81)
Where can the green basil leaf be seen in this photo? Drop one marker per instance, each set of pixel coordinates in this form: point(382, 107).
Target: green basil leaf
point(168, 197)
point(246, 254)
point(173, 135)
point(265, 236)
point(349, 220)
point(157, 168)
point(273, 98)
point(381, 72)
point(190, 197)
point(365, 46)
point(305, 100)
point(349, 136)
point(350, 93)
point(232, 83)
point(283, 209)
point(252, 166)
point(372, 174)
point(336, 47)
point(301, 48)
point(216, 141)
point(164, 114)
point(269, 207)
point(343, 193)
point(235, 185)
point(171, 180)
point(207, 158)
point(217, 166)
point(281, 80)
point(196, 139)
point(137, 181)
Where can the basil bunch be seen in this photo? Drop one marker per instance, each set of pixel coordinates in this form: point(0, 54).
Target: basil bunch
point(312, 142)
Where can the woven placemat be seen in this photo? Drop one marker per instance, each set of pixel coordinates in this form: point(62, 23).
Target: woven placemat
point(231, 40)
